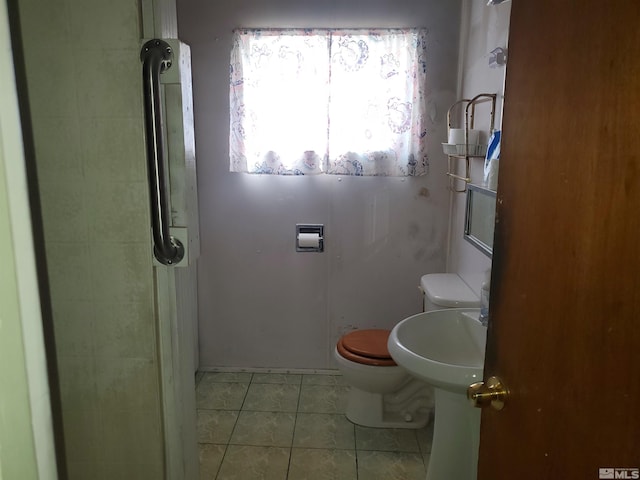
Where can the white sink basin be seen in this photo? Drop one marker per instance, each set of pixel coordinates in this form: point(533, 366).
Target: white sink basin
point(445, 348)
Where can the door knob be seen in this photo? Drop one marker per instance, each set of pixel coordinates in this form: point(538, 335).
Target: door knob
point(493, 393)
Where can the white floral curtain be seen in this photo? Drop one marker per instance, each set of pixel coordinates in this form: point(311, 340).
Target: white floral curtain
point(347, 102)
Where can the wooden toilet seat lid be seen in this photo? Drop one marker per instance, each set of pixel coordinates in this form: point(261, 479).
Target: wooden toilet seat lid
point(368, 347)
point(370, 343)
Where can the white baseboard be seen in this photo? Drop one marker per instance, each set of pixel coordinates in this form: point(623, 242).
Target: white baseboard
point(304, 371)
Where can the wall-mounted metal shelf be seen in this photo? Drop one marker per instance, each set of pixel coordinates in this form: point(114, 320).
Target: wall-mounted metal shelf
point(466, 151)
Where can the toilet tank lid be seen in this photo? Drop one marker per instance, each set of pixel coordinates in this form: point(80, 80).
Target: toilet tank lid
point(448, 290)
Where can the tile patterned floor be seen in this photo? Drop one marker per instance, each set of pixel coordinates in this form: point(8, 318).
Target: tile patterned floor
point(257, 426)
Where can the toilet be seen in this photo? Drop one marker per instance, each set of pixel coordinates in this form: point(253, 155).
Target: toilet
point(382, 394)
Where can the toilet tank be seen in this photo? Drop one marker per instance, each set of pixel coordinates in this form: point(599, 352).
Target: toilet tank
point(447, 290)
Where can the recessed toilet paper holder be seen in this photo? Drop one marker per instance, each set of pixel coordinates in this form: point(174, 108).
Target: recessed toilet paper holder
point(309, 237)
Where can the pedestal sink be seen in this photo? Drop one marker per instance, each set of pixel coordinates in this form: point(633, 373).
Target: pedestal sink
point(445, 348)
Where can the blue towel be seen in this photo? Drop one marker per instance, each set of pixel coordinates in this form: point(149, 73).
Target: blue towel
point(491, 161)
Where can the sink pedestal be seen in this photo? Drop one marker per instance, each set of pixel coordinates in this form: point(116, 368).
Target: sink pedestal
point(456, 437)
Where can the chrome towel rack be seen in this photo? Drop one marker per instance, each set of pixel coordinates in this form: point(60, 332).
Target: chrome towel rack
point(156, 57)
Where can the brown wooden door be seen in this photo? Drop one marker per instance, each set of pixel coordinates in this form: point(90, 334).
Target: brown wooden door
point(565, 292)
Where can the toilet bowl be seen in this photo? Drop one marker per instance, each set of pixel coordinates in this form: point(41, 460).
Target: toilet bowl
point(383, 394)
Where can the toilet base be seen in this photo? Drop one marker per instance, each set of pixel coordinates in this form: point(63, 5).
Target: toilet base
point(391, 411)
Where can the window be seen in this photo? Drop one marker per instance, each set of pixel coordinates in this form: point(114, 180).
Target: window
point(347, 102)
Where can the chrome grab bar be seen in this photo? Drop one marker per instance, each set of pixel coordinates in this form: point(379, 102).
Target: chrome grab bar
point(156, 57)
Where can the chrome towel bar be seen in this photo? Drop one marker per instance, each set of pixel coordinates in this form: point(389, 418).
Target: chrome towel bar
point(156, 57)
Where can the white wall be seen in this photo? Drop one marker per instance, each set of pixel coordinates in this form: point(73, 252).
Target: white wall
point(483, 29)
point(261, 304)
